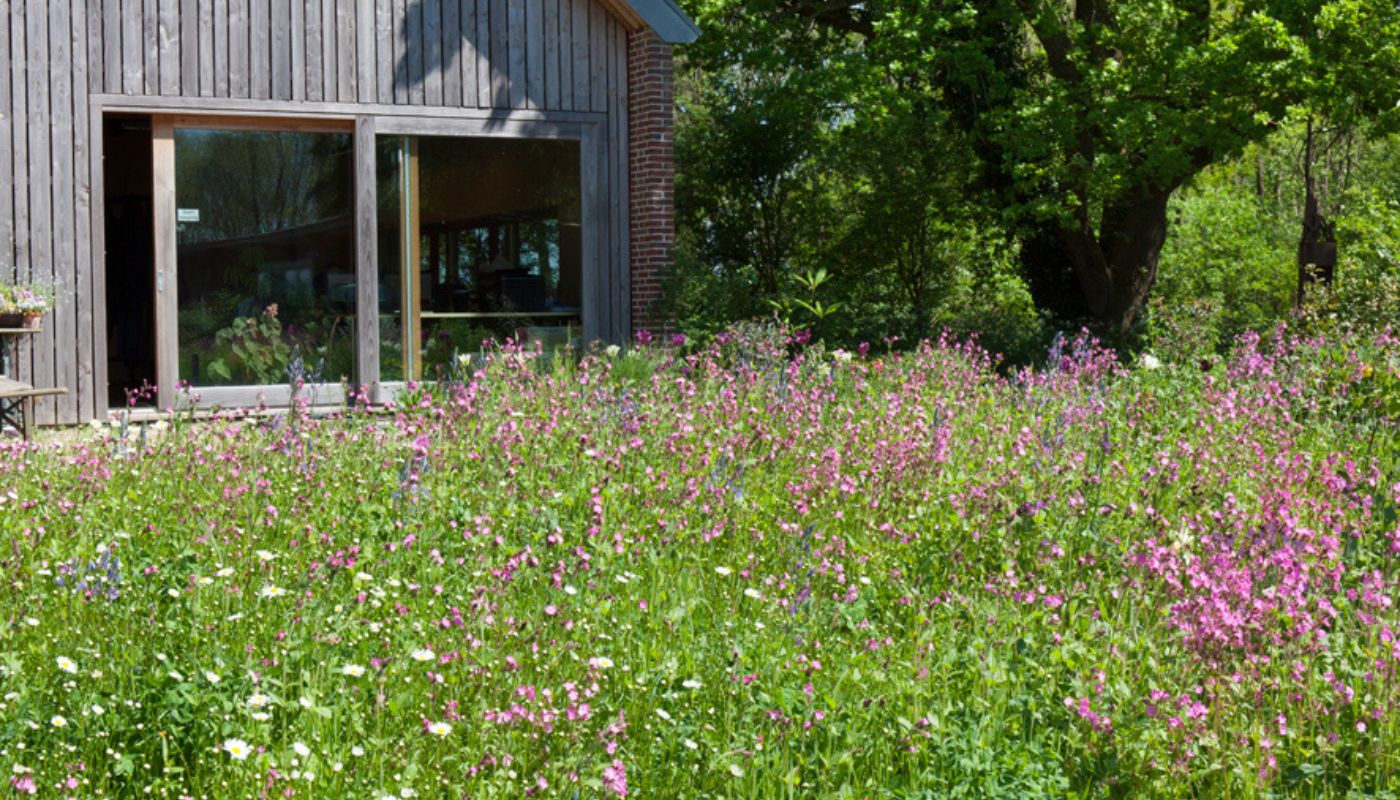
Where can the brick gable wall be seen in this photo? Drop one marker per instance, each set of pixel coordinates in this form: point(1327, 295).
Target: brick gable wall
point(652, 173)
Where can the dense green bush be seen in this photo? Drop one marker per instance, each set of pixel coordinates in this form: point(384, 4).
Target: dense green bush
point(1230, 261)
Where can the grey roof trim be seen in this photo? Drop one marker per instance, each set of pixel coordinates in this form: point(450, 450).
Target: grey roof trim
point(667, 20)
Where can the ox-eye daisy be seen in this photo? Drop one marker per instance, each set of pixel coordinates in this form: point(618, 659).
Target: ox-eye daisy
point(237, 748)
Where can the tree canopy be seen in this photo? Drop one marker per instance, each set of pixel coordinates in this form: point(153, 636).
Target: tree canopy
point(1064, 126)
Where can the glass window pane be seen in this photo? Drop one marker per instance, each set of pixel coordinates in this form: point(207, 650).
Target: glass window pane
point(494, 233)
point(266, 255)
point(391, 329)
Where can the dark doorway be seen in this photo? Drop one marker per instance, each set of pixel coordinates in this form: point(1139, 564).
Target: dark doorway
point(131, 320)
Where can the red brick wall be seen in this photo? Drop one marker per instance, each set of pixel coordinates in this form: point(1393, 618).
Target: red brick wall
point(651, 115)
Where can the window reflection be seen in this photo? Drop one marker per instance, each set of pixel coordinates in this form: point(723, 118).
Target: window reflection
point(266, 255)
point(493, 236)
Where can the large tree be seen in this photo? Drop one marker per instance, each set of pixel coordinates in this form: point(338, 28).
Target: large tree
point(1086, 115)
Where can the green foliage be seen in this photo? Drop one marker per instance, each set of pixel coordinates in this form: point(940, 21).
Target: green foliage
point(804, 308)
point(866, 137)
point(1229, 250)
point(1231, 258)
point(254, 350)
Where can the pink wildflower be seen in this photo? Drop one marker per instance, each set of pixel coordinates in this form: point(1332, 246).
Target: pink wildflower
point(615, 778)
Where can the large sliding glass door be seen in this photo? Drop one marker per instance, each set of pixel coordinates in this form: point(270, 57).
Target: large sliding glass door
point(480, 239)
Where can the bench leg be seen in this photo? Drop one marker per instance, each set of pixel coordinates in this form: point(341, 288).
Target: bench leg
point(25, 412)
point(8, 415)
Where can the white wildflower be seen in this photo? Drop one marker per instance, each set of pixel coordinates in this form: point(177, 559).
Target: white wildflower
point(237, 748)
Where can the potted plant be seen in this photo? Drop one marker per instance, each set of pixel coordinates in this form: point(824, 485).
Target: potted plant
point(22, 306)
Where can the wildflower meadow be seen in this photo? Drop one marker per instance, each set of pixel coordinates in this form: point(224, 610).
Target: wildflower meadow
point(754, 569)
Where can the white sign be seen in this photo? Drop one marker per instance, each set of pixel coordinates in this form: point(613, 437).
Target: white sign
point(187, 215)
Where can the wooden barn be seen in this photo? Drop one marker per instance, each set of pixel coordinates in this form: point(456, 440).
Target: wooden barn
point(236, 194)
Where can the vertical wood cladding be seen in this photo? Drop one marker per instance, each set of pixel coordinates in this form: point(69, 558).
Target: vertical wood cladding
point(532, 57)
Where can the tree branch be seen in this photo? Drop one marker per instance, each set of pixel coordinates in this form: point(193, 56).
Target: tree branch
point(851, 16)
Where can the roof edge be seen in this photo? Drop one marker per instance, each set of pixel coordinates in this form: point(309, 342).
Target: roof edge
point(667, 20)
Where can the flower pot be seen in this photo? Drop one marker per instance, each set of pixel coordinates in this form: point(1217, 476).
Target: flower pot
point(31, 319)
point(11, 320)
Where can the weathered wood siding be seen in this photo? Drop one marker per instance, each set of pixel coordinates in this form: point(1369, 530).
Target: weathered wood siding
point(60, 60)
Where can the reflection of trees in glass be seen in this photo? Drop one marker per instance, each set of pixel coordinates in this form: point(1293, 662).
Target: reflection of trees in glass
point(266, 273)
point(246, 183)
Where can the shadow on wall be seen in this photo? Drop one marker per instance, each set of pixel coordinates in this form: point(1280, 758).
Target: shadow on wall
point(446, 47)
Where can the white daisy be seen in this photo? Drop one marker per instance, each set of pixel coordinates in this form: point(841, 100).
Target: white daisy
point(723, 571)
point(58, 722)
point(258, 700)
point(439, 729)
point(272, 591)
point(301, 749)
point(353, 670)
point(265, 555)
point(424, 654)
point(67, 665)
point(237, 748)
point(212, 677)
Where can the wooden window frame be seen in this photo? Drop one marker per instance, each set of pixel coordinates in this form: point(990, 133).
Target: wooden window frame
point(166, 258)
point(592, 156)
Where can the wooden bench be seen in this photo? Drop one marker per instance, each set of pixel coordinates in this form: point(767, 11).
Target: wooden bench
point(16, 400)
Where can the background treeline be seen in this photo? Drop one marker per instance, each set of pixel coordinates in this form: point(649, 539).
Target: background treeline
point(883, 168)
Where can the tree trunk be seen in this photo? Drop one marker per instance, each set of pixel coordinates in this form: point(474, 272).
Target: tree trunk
point(1100, 281)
